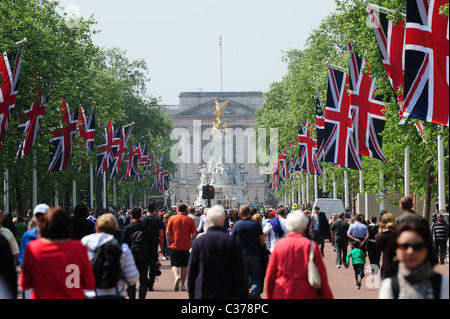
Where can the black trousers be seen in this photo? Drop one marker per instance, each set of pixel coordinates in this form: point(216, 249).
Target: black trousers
point(142, 267)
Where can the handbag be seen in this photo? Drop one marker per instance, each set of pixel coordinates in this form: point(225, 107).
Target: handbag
point(313, 273)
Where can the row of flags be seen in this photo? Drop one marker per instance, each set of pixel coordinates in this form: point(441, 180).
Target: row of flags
point(110, 155)
point(415, 54)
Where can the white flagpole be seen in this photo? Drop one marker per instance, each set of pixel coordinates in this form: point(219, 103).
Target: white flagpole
point(114, 193)
point(221, 65)
point(74, 194)
point(441, 170)
point(334, 189)
point(34, 180)
point(347, 204)
point(382, 203)
point(316, 188)
point(407, 172)
point(91, 190)
point(105, 202)
point(307, 188)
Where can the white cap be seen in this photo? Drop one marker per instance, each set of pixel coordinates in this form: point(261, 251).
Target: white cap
point(40, 209)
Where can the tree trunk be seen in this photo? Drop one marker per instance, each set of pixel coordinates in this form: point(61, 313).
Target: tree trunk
point(427, 196)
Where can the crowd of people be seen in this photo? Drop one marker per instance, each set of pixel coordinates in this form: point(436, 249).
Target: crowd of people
point(217, 252)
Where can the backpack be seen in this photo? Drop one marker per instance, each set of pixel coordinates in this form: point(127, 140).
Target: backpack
point(140, 244)
point(435, 281)
point(106, 265)
point(276, 225)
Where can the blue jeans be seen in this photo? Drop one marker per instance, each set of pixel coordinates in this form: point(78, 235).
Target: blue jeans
point(359, 270)
point(253, 269)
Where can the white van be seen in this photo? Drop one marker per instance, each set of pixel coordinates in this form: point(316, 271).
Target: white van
point(329, 206)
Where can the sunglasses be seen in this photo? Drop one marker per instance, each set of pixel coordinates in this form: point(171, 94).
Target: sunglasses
point(415, 246)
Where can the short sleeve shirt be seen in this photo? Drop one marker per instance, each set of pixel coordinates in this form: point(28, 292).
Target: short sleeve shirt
point(181, 227)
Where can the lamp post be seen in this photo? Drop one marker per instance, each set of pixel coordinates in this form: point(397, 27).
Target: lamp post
point(187, 194)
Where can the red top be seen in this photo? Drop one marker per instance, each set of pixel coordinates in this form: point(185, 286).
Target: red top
point(286, 275)
point(57, 270)
point(181, 227)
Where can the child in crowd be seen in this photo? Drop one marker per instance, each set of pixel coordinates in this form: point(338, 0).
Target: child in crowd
point(359, 260)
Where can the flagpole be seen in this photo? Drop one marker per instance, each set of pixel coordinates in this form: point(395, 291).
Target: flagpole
point(407, 170)
point(379, 8)
point(221, 65)
point(303, 192)
point(441, 170)
point(316, 188)
point(307, 188)
point(114, 193)
point(105, 203)
point(91, 189)
point(382, 203)
point(347, 204)
point(336, 67)
point(34, 179)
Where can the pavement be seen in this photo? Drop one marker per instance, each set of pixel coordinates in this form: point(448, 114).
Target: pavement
point(341, 281)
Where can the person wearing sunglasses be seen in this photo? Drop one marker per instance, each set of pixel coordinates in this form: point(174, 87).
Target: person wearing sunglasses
point(415, 278)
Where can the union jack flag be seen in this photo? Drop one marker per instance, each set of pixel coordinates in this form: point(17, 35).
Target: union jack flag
point(31, 127)
point(390, 37)
point(368, 108)
point(9, 79)
point(284, 165)
point(119, 148)
point(426, 62)
point(63, 139)
point(320, 126)
point(86, 127)
point(105, 150)
point(340, 148)
point(308, 149)
point(134, 156)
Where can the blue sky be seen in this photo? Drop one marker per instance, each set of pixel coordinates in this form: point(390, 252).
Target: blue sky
point(179, 39)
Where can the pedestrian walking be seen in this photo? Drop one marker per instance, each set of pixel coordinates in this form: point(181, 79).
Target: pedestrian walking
point(358, 257)
point(80, 225)
point(155, 228)
point(307, 214)
point(440, 233)
point(21, 228)
point(358, 233)
point(415, 279)
point(10, 238)
point(408, 215)
point(8, 273)
point(339, 231)
point(180, 232)
point(324, 229)
point(250, 236)
point(54, 265)
point(372, 249)
point(136, 236)
point(286, 276)
point(383, 238)
point(104, 242)
point(216, 265)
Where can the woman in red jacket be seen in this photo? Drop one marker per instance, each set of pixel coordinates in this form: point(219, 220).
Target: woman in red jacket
point(55, 266)
point(286, 275)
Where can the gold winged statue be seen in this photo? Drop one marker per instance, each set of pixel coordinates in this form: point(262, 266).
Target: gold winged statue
point(219, 113)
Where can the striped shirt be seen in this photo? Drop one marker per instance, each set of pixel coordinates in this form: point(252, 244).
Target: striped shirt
point(440, 231)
